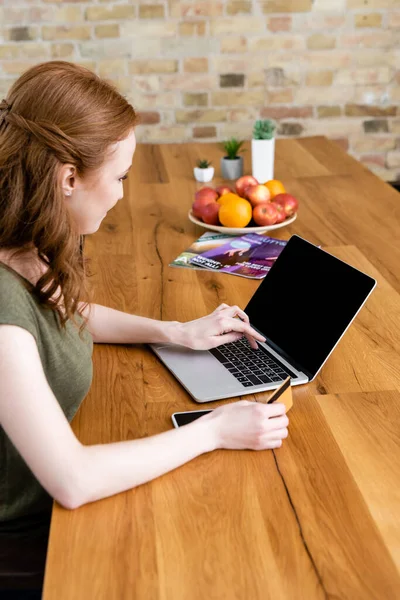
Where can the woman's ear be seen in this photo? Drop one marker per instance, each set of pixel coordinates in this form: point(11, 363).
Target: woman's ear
point(68, 179)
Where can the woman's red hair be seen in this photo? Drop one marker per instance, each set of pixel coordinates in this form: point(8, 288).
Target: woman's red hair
point(55, 113)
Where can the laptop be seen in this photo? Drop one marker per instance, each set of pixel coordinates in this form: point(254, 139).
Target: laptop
point(303, 307)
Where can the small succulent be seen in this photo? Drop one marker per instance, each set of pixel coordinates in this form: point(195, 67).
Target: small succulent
point(264, 130)
point(232, 147)
point(203, 164)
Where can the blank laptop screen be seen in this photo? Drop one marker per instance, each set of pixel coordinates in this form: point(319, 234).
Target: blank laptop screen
point(306, 302)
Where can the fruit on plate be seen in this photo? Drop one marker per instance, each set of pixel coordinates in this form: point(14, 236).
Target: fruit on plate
point(210, 213)
point(199, 205)
point(243, 182)
point(281, 212)
point(203, 197)
point(257, 203)
point(223, 189)
point(288, 202)
point(275, 187)
point(235, 213)
point(206, 192)
point(227, 198)
point(257, 194)
point(265, 214)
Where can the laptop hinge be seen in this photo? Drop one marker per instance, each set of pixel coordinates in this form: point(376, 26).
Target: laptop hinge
point(286, 356)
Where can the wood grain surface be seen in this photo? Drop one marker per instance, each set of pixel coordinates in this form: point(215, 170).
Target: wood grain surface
point(318, 518)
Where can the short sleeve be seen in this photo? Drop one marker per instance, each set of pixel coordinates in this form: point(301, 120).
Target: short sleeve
point(16, 303)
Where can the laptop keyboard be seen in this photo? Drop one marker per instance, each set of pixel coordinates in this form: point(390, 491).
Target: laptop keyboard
point(250, 367)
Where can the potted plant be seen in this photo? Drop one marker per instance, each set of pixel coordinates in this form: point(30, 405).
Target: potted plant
point(263, 150)
point(203, 172)
point(231, 163)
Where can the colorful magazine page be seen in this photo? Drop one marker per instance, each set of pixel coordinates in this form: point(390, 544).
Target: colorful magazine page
point(250, 255)
point(208, 241)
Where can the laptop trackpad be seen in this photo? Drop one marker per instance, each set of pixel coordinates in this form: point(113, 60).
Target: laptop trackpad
point(197, 370)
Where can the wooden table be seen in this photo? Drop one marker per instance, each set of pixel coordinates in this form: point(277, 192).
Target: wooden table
point(318, 518)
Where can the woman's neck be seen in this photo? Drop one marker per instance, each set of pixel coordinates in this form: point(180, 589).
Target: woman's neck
point(27, 264)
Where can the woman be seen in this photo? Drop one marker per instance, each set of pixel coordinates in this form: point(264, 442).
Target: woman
point(66, 144)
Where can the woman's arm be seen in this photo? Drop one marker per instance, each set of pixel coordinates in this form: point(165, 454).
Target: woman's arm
point(108, 469)
point(71, 472)
point(110, 326)
point(112, 468)
point(75, 474)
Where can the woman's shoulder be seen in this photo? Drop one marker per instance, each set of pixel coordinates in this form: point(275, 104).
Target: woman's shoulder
point(12, 282)
point(11, 279)
point(16, 303)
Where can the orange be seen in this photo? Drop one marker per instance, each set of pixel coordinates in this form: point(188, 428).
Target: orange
point(227, 197)
point(275, 187)
point(237, 212)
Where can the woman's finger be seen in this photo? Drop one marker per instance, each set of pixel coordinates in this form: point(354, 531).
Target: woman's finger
point(252, 342)
point(275, 444)
point(277, 409)
point(278, 434)
point(277, 423)
point(226, 338)
point(231, 324)
point(221, 307)
point(268, 444)
point(233, 311)
point(237, 311)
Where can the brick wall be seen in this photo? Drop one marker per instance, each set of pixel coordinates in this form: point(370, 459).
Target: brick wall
point(206, 70)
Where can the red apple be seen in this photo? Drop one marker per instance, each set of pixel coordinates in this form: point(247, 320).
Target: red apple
point(289, 203)
point(206, 192)
point(281, 212)
point(203, 197)
point(257, 194)
point(199, 205)
point(265, 214)
point(210, 213)
point(223, 189)
point(243, 182)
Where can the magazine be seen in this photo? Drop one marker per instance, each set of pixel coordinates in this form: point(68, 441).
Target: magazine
point(208, 241)
point(251, 255)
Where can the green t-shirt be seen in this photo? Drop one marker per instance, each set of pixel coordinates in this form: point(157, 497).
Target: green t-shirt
point(67, 364)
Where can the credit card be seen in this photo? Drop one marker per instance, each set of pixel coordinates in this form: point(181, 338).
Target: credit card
point(282, 394)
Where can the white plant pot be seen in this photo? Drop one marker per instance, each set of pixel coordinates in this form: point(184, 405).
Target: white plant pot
point(204, 174)
point(262, 159)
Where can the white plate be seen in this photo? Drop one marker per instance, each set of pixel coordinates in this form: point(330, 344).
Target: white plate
point(241, 230)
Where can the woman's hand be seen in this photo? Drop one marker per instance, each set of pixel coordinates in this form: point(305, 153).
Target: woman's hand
point(225, 324)
point(245, 424)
